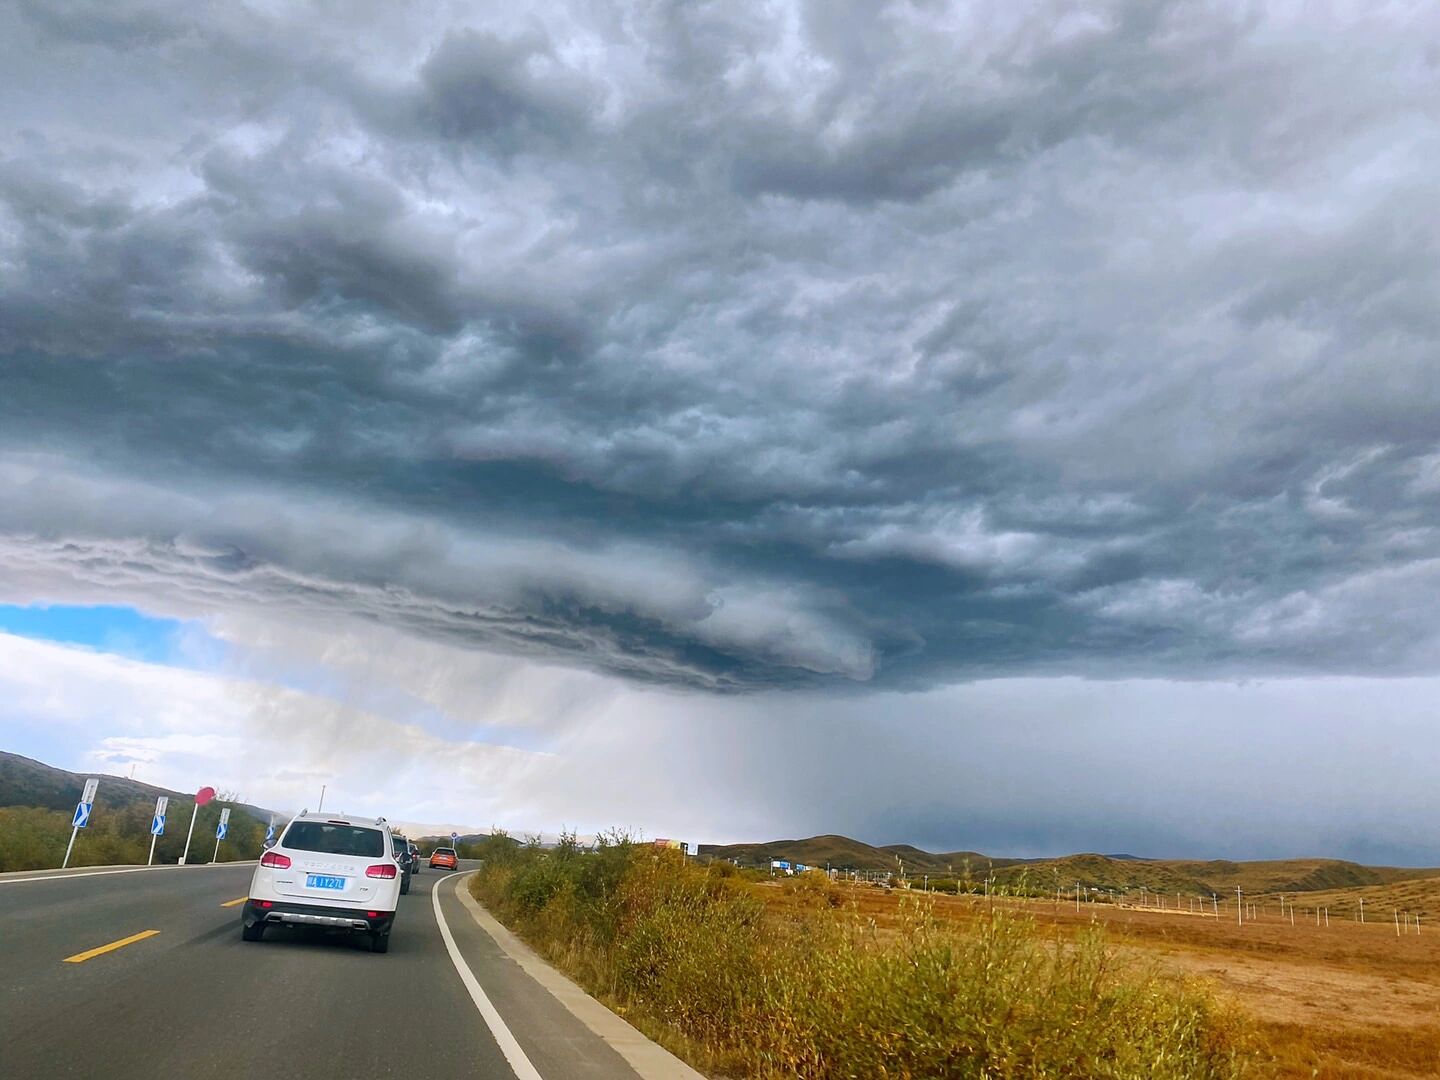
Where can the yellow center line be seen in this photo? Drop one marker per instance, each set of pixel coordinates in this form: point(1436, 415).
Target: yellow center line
point(237, 900)
point(81, 957)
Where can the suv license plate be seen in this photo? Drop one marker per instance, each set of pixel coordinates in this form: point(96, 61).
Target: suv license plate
point(323, 881)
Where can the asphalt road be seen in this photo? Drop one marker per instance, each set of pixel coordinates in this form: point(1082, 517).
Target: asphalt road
point(193, 1001)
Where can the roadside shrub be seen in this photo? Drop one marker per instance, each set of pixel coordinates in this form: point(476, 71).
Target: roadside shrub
point(32, 838)
point(691, 954)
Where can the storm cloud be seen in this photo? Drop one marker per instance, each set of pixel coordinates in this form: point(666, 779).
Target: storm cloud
point(736, 347)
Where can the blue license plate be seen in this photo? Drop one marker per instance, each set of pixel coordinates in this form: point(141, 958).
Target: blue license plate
point(323, 881)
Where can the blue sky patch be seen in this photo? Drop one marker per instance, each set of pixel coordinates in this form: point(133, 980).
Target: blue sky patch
point(107, 628)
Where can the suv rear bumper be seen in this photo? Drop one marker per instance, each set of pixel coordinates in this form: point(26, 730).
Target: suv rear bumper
point(282, 912)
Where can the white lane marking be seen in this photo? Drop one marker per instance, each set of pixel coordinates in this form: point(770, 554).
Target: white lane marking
point(508, 1046)
point(106, 873)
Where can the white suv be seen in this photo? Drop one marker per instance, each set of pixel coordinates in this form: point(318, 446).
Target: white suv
point(329, 871)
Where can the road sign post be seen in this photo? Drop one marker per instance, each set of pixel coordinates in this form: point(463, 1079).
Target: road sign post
point(157, 825)
point(220, 830)
point(81, 818)
point(203, 796)
point(270, 831)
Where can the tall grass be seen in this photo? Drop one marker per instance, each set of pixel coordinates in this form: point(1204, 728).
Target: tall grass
point(693, 955)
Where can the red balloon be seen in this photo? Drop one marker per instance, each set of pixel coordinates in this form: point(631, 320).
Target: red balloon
point(204, 795)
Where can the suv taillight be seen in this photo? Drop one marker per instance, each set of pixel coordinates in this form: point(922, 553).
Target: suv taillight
point(275, 860)
point(384, 869)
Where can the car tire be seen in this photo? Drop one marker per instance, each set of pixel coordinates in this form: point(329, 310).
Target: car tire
point(253, 932)
point(380, 942)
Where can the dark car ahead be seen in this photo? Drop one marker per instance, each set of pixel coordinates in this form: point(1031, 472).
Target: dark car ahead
point(406, 858)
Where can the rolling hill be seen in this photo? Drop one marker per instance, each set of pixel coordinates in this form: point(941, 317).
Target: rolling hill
point(1414, 896)
point(1118, 872)
point(1205, 877)
point(842, 851)
point(27, 782)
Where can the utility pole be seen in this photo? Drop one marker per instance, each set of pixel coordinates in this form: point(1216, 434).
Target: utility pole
point(322, 799)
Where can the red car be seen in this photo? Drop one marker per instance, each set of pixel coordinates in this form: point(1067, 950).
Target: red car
point(444, 856)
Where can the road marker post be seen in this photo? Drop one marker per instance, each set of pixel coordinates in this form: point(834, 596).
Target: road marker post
point(81, 818)
point(1239, 908)
point(221, 829)
point(203, 796)
point(157, 825)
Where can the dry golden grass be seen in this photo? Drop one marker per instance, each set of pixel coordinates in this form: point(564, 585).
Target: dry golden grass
point(809, 988)
point(1347, 1001)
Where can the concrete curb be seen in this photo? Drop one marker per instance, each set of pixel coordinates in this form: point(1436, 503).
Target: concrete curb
point(649, 1060)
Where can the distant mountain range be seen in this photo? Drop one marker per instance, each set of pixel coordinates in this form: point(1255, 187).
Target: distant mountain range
point(1185, 876)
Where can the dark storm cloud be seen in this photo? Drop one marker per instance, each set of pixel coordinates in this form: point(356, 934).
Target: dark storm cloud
point(733, 346)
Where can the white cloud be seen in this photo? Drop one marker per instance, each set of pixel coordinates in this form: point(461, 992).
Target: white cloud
point(273, 744)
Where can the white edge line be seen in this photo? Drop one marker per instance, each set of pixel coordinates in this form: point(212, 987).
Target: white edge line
point(508, 1045)
point(105, 873)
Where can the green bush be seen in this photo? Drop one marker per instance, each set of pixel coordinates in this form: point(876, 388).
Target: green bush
point(691, 954)
point(34, 839)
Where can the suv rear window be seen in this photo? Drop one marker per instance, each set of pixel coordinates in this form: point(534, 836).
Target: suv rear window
point(401, 844)
point(333, 839)
point(444, 851)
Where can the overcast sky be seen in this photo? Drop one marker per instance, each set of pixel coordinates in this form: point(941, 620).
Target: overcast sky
point(1010, 426)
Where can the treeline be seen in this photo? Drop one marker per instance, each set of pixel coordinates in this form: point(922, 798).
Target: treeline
point(34, 838)
point(693, 955)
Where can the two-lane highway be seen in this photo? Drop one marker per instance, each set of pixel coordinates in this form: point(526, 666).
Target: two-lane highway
point(144, 974)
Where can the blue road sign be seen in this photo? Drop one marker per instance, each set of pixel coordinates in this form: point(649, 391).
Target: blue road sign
point(270, 831)
point(221, 830)
point(82, 815)
point(157, 825)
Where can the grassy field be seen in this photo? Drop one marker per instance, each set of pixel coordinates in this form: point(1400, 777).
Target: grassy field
point(748, 978)
point(1344, 1001)
point(1218, 876)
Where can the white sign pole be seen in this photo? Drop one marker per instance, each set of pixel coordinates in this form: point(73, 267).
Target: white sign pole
point(194, 813)
point(81, 818)
point(220, 830)
point(157, 827)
